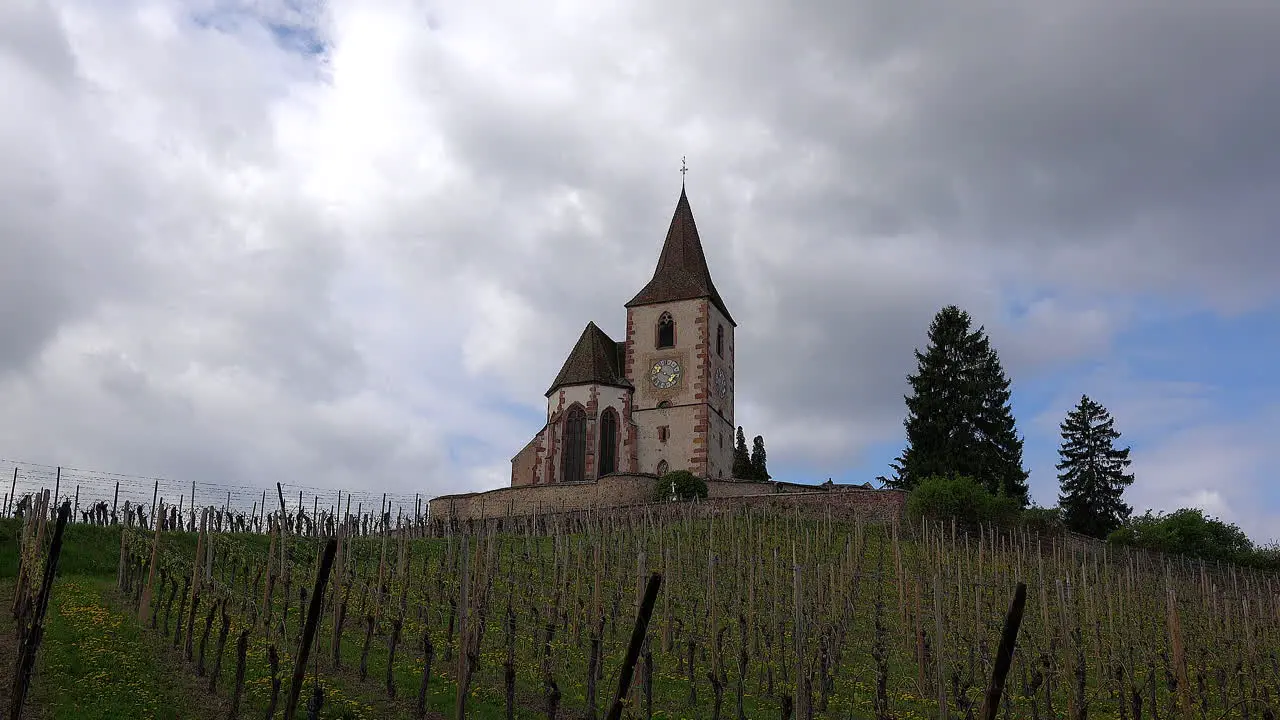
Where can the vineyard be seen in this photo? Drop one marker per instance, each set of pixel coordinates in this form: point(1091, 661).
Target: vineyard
point(756, 615)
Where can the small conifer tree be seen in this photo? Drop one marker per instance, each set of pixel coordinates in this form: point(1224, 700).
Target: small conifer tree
point(759, 462)
point(741, 458)
point(1092, 473)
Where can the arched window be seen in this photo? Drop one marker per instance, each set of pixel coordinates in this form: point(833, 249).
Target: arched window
point(608, 442)
point(664, 404)
point(666, 331)
point(662, 468)
point(574, 464)
point(720, 340)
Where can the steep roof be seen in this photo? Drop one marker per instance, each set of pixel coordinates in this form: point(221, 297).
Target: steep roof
point(682, 272)
point(595, 359)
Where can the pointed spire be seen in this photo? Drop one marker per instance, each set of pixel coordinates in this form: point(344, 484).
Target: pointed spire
point(595, 359)
point(682, 272)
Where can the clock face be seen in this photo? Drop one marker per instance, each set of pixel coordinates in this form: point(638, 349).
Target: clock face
point(722, 382)
point(664, 374)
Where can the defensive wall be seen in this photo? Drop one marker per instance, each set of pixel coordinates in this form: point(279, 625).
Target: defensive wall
point(620, 491)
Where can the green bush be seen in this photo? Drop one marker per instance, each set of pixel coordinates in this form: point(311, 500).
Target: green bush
point(1123, 535)
point(961, 498)
point(1190, 532)
point(687, 486)
point(1264, 557)
point(1042, 520)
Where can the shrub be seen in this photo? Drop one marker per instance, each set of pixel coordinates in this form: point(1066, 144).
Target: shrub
point(687, 486)
point(961, 498)
point(1189, 532)
point(1042, 520)
point(1264, 557)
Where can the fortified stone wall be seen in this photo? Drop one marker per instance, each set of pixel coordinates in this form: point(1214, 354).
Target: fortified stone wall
point(623, 491)
point(738, 488)
point(608, 491)
point(871, 505)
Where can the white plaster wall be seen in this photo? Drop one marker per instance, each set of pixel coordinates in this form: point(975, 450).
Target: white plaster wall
point(720, 441)
point(643, 321)
point(679, 445)
point(606, 397)
point(724, 405)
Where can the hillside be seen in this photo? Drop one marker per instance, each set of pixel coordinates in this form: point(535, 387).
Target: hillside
point(890, 620)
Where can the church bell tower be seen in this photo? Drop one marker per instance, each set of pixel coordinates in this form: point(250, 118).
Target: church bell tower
point(679, 357)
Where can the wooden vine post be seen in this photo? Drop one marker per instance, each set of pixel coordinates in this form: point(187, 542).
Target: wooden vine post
point(144, 604)
point(31, 641)
point(1004, 655)
point(309, 630)
point(939, 648)
point(633, 649)
point(200, 542)
point(460, 700)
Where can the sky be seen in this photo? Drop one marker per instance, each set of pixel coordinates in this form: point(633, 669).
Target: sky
point(348, 244)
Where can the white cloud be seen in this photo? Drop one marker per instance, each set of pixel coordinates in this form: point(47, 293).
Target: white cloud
point(1142, 407)
point(1224, 469)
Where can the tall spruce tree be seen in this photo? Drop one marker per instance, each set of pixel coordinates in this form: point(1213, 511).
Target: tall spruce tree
point(1000, 448)
point(741, 458)
point(759, 461)
point(959, 421)
point(1092, 472)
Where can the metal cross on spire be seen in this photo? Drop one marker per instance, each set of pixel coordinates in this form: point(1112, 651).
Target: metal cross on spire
point(684, 168)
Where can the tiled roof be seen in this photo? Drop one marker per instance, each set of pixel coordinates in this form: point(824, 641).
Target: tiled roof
point(682, 272)
point(595, 359)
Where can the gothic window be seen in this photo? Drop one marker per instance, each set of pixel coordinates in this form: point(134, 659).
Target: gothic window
point(662, 468)
point(720, 340)
point(664, 404)
point(608, 442)
point(664, 431)
point(666, 331)
point(573, 467)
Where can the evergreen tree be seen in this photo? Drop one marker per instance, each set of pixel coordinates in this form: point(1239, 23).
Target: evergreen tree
point(759, 464)
point(1000, 449)
point(959, 422)
point(741, 459)
point(1092, 472)
point(940, 435)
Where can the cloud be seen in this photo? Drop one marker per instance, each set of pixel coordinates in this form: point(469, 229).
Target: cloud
point(1142, 407)
point(1223, 468)
point(352, 241)
point(1187, 449)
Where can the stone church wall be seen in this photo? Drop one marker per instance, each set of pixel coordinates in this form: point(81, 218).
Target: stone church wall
point(683, 449)
point(738, 488)
point(871, 505)
point(609, 491)
point(720, 430)
point(541, 458)
point(524, 466)
point(622, 491)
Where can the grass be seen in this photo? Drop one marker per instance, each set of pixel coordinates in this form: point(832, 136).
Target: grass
point(96, 663)
point(87, 550)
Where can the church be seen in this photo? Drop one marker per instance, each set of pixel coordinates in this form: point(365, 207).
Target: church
point(657, 401)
